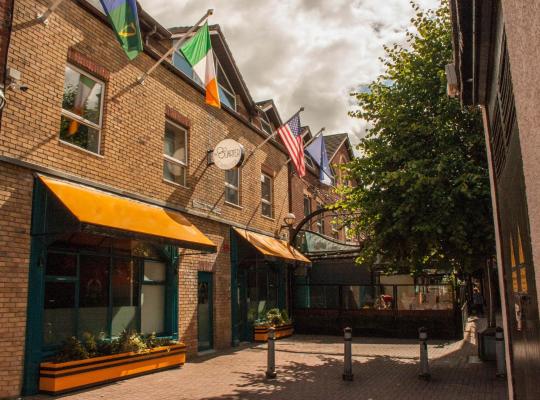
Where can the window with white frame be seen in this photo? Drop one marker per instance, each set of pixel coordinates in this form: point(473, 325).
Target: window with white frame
point(267, 196)
point(82, 107)
point(232, 186)
point(226, 92)
point(175, 153)
point(266, 126)
point(320, 221)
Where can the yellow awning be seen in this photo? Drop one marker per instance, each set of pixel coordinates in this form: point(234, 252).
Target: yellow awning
point(272, 247)
point(97, 208)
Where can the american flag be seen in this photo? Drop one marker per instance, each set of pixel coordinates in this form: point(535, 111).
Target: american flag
point(292, 139)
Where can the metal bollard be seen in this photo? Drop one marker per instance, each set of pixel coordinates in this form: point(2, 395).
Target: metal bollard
point(499, 351)
point(424, 363)
point(347, 358)
point(271, 369)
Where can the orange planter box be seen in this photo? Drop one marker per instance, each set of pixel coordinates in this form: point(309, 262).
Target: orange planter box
point(56, 378)
point(283, 331)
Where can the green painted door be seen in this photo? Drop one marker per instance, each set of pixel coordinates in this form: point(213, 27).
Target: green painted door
point(205, 311)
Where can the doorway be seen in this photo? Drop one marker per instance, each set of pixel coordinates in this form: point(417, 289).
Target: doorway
point(205, 320)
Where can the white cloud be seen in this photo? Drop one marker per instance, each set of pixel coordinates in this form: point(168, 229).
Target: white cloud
point(307, 53)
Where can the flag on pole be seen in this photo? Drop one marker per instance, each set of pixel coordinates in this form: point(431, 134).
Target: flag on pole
point(123, 17)
point(317, 150)
point(292, 139)
point(83, 92)
point(198, 52)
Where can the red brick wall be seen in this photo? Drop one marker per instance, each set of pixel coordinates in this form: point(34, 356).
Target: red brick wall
point(130, 159)
point(15, 212)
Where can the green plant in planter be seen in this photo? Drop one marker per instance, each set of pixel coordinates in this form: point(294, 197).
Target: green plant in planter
point(261, 323)
point(72, 349)
point(285, 317)
point(274, 317)
point(129, 341)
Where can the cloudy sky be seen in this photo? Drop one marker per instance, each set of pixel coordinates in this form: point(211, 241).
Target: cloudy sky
point(309, 53)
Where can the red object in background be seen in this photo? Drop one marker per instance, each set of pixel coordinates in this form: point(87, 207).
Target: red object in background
point(387, 298)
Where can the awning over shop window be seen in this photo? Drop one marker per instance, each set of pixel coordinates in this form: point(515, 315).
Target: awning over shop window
point(104, 210)
point(271, 247)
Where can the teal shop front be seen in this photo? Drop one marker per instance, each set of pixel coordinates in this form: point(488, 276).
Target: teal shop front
point(263, 271)
point(100, 264)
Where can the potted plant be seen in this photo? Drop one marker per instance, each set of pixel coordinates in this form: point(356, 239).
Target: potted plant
point(90, 361)
point(279, 320)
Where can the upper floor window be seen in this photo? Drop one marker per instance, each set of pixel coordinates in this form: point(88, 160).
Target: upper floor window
point(226, 92)
point(320, 220)
point(267, 196)
point(266, 126)
point(232, 186)
point(307, 205)
point(175, 153)
point(82, 106)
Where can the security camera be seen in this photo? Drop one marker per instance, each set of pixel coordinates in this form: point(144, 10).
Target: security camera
point(23, 87)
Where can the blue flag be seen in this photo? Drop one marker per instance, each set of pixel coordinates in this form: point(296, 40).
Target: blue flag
point(317, 151)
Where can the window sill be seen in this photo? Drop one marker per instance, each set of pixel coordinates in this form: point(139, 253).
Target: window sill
point(268, 218)
point(79, 148)
point(174, 183)
point(233, 205)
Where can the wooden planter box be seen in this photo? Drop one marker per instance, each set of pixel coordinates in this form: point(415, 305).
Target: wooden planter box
point(283, 331)
point(56, 378)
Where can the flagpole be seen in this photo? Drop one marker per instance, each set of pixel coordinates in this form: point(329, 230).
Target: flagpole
point(176, 46)
point(309, 141)
point(44, 18)
point(272, 135)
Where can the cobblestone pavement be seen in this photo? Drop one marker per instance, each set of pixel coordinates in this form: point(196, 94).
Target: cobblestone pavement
point(310, 367)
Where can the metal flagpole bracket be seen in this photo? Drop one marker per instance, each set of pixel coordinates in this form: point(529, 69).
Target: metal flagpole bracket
point(44, 17)
point(184, 38)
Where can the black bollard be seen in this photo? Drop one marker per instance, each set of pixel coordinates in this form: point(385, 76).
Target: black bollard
point(347, 357)
point(271, 369)
point(499, 351)
point(424, 363)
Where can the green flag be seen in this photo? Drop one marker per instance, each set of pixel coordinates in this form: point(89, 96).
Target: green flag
point(125, 21)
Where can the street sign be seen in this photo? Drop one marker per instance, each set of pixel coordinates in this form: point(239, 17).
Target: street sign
point(228, 154)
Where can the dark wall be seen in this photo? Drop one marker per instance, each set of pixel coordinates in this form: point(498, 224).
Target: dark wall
point(337, 272)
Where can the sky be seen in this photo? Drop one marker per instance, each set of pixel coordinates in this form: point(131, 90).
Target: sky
point(309, 53)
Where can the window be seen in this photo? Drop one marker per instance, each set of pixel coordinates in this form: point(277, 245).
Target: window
point(175, 154)
point(309, 161)
point(307, 205)
point(266, 195)
point(82, 105)
point(232, 186)
point(335, 231)
point(320, 221)
point(266, 126)
point(92, 291)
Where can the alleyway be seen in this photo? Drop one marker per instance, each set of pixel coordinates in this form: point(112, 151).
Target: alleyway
point(310, 367)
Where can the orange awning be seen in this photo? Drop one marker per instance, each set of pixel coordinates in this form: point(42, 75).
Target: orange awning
point(97, 208)
point(272, 247)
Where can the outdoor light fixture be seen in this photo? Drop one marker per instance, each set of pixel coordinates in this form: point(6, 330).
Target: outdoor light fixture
point(289, 219)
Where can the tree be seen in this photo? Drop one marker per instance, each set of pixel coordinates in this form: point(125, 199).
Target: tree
point(422, 179)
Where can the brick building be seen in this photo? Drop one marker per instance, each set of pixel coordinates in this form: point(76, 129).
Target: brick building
point(118, 192)
point(495, 59)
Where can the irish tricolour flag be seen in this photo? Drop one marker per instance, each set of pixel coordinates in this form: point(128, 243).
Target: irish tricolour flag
point(198, 52)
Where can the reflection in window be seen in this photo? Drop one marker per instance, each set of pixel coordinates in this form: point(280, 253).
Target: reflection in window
point(175, 153)
point(81, 110)
point(232, 186)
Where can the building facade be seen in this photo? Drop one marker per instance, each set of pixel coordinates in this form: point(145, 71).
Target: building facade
point(495, 58)
point(112, 214)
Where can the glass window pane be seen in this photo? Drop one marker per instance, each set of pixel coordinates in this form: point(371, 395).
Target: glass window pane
point(266, 209)
point(231, 195)
point(174, 172)
point(93, 294)
point(59, 312)
point(262, 291)
point(226, 98)
point(232, 176)
point(154, 271)
point(82, 95)
point(266, 188)
point(125, 296)
point(152, 308)
point(272, 289)
point(79, 134)
point(175, 142)
point(61, 265)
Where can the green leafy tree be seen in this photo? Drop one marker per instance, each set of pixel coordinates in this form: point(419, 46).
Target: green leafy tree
point(422, 179)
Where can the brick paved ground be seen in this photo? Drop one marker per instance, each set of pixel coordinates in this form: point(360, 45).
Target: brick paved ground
point(310, 367)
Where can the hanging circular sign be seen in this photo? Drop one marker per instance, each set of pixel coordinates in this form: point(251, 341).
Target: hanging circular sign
point(228, 154)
